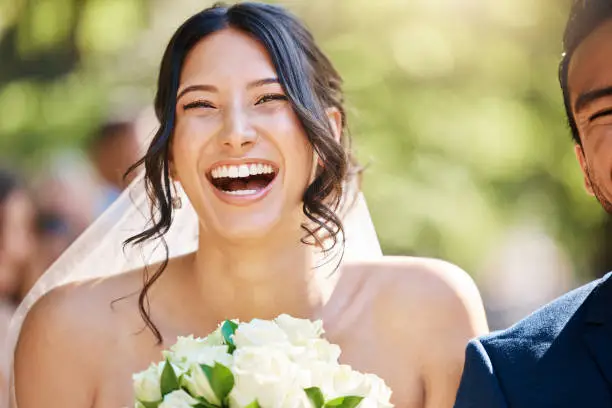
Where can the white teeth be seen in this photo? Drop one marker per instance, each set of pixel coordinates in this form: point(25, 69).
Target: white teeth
point(243, 170)
point(240, 192)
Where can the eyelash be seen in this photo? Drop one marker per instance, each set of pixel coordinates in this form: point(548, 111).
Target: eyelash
point(197, 104)
point(271, 97)
point(600, 114)
point(263, 99)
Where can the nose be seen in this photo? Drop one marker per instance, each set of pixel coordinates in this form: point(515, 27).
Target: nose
point(237, 135)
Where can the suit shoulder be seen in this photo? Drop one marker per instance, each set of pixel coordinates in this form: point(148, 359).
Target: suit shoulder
point(543, 325)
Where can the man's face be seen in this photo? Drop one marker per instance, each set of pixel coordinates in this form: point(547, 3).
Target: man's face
point(590, 89)
point(115, 155)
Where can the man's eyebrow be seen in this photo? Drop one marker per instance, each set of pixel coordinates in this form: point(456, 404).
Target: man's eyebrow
point(589, 97)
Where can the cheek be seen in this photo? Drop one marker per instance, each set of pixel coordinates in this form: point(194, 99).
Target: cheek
point(599, 168)
point(190, 138)
point(292, 142)
point(598, 148)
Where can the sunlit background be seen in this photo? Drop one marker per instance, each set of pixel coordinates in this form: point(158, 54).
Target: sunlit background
point(454, 106)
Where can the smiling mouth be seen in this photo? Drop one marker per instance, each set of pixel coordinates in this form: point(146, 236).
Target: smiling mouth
point(243, 179)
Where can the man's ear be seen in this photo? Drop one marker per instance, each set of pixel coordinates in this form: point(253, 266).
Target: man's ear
point(584, 167)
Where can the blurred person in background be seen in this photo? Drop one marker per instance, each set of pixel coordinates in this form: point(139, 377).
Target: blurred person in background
point(113, 149)
point(561, 355)
point(17, 237)
point(69, 198)
point(17, 252)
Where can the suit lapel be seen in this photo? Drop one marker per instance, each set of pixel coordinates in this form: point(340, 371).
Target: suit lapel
point(598, 330)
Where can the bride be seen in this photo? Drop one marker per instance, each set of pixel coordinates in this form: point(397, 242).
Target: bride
point(252, 144)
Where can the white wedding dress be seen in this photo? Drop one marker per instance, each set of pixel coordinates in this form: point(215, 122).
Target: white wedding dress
point(99, 251)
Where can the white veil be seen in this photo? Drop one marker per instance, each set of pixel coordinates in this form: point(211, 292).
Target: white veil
point(99, 251)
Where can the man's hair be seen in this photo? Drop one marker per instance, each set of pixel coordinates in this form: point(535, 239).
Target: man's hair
point(110, 130)
point(585, 17)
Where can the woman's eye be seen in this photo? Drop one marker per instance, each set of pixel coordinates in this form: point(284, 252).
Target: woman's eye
point(270, 98)
point(198, 104)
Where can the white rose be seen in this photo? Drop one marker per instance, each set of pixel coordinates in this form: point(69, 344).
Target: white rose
point(146, 384)
point(215, 338)
point(324, 351)
point(259, 333)
point(196, 381)
point(343, 381)
point(189, 349)
point(197, 384)
point(380, 393)
point(350, 382)
point(198, 351)
point(322, 376)
point(267, 375)
point(300, 331)
point(294, 398)
point(178, 399)
point(339, 381)
point(314, 352)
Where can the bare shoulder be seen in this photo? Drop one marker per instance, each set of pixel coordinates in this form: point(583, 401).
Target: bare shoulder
point(425, 295)
point(422, 280)
point(64, 340)
point(84, 304)
point(429, 309)
point(74, 317)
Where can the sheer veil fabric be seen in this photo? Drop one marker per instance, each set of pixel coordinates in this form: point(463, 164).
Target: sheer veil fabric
point(99, 251)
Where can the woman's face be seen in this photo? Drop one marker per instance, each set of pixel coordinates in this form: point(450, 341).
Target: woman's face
point(238, 148)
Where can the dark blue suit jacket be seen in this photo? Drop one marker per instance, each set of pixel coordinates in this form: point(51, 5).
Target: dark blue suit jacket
point(560, 356)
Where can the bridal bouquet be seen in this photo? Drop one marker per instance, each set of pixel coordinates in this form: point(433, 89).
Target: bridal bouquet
point(280, 363)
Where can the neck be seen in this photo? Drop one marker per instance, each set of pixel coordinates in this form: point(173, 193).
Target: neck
point(261, 279)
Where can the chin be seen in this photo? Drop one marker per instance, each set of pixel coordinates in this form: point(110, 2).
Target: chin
point(248, 227)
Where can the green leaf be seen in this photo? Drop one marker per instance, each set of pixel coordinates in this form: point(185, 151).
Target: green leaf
point(204, 404)
point(315, 396)
point(228, 328)
point(220, 378)
point(150, 404)
point(344, 402)
point(253, 404)
point(169, 380)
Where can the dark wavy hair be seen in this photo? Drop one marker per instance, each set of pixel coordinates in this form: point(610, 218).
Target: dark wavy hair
point(584, 18)
point(312, 85)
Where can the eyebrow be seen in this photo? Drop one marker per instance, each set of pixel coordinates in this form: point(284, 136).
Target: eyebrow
point(262, 82)
point(214, 89)
point(193, 88)
point(589, 97)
